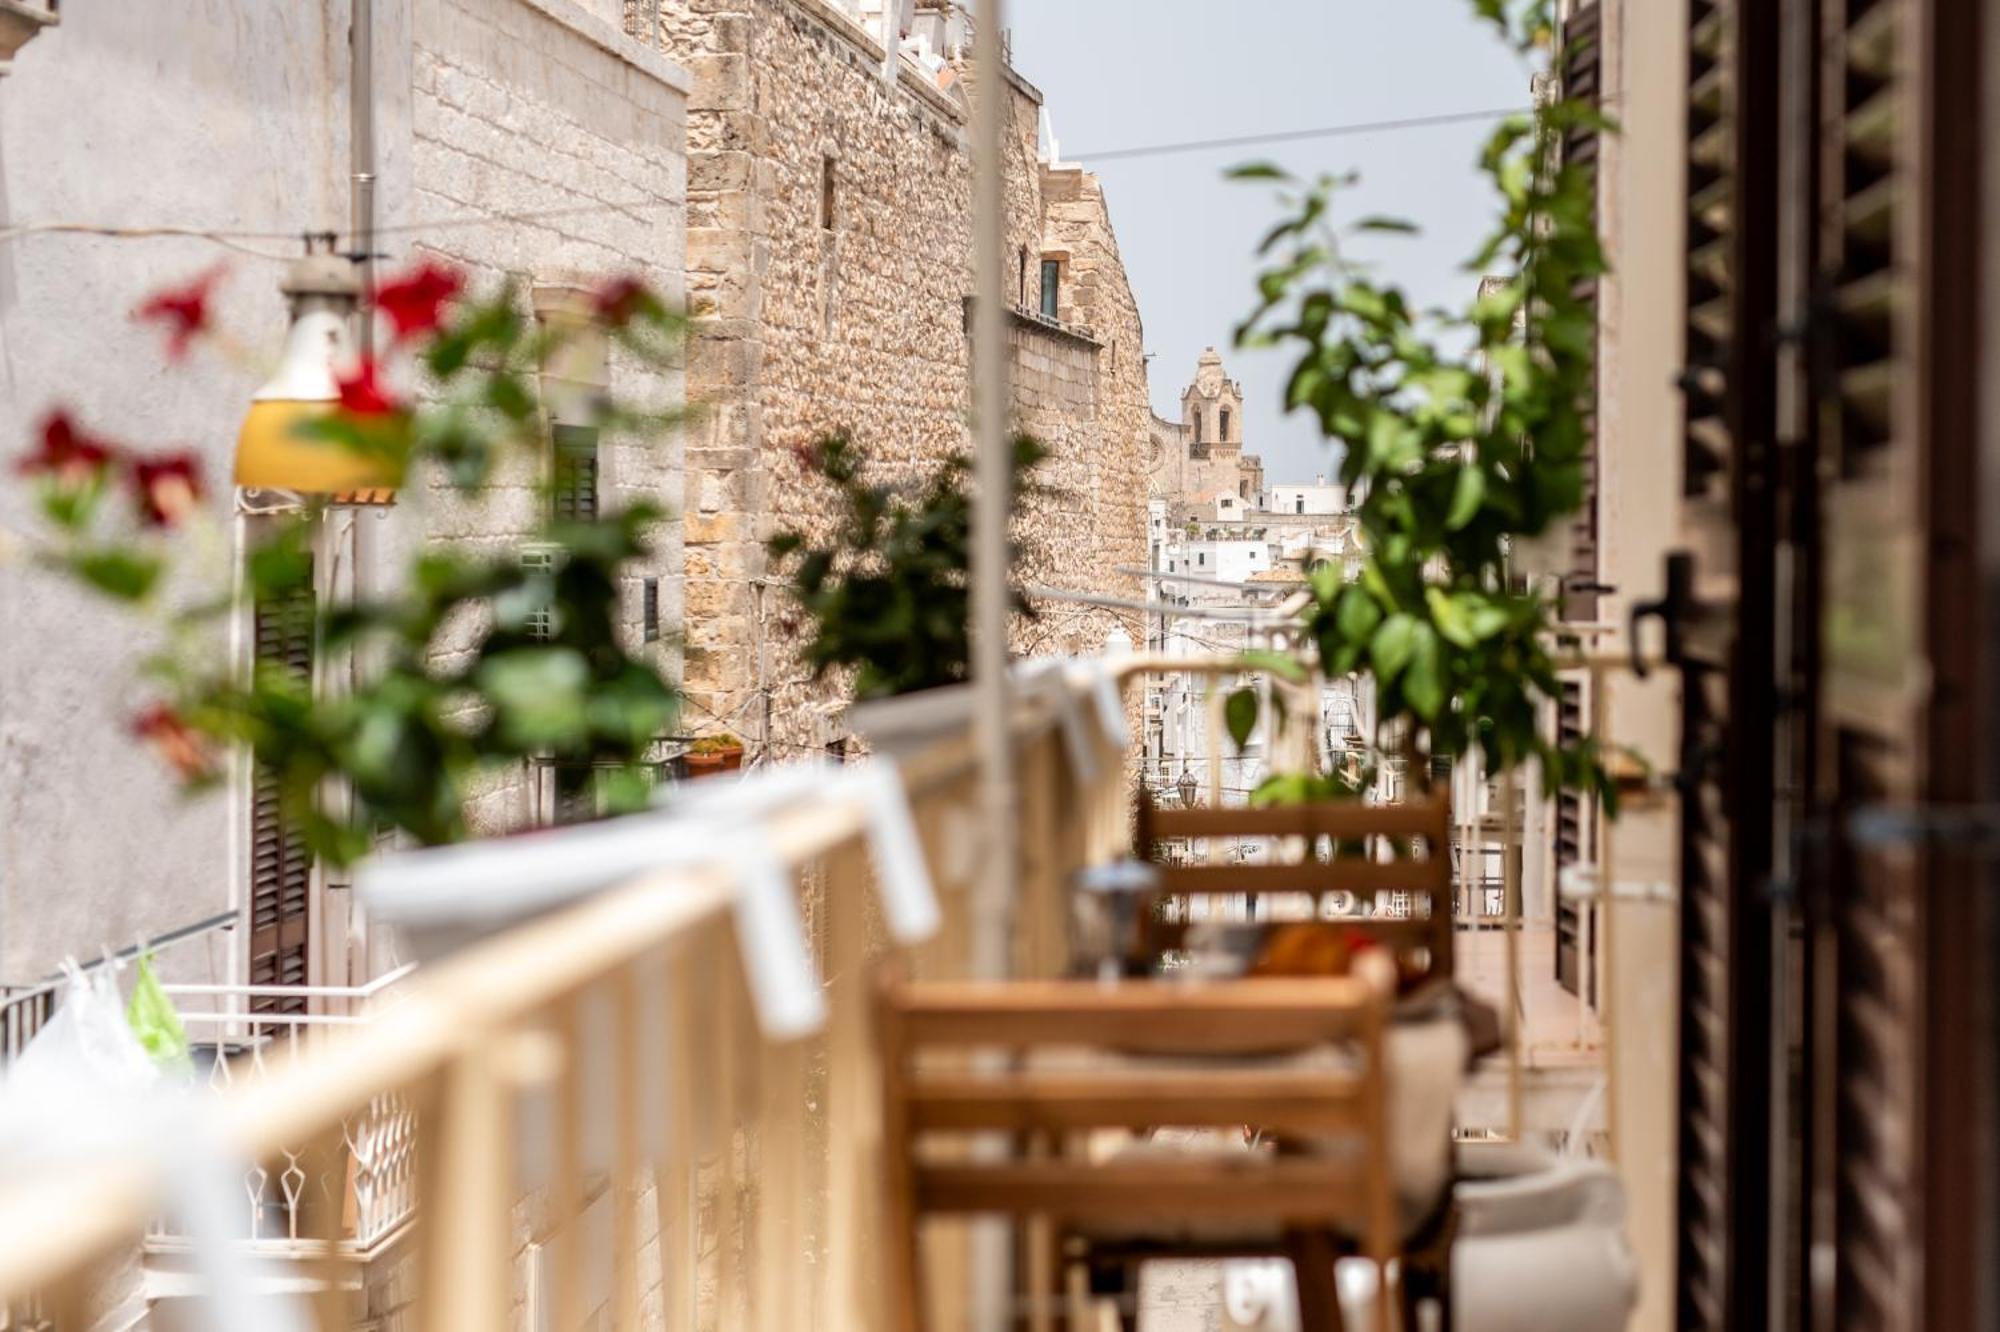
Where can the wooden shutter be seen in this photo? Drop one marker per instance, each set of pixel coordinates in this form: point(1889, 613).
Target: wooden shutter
point(1582, 81)
point(1720, 593)
point(1864, 987)
point(281, 866)
point(1569, 845)
point(1897, 1061)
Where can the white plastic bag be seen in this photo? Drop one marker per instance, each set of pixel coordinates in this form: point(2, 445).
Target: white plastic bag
point(72, 1090)
point(85, 1088)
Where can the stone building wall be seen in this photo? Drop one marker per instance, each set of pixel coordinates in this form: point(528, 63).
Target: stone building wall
point(830, 239)
point(541, 111)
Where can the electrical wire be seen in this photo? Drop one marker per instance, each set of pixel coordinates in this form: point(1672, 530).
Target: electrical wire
point(1296, 136)
point(234, 238)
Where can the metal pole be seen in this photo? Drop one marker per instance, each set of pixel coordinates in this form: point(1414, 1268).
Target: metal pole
point(991, 1284)
point(361, 222)
point(993, 477)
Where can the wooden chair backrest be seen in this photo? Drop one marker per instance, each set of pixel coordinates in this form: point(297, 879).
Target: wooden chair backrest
point(928, 1098)
point(1428, 881)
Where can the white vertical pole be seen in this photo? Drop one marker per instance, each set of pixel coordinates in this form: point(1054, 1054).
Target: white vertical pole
point(993, 478)
point(993, 907)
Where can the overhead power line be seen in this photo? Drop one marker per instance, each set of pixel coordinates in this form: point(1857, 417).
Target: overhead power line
point(234, 238)
point(1294, 136)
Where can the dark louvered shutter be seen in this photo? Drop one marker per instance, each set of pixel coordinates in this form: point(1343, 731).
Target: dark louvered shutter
point(1867, 1066)
point(1569, 847)
point(575, 473)
point(1582, 82)
point(1710, 150)
point(280, 864)
point(1721, 594)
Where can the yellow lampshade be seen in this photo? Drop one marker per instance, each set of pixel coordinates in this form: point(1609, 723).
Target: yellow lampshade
point(271, 454)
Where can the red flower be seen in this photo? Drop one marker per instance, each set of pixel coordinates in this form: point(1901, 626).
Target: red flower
point(623, 299)
point(66, 452)
point(362, 393)
point(184, 310)
point(168, 487)
point(414, 303)
point(177, 743)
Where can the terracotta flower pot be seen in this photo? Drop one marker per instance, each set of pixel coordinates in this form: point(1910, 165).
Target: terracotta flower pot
point(714, 761)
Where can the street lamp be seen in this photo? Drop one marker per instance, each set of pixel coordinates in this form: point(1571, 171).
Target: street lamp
point(271, 454)
point(1187, 786)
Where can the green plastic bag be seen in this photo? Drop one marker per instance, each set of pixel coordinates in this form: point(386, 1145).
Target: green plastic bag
point(153, 1020)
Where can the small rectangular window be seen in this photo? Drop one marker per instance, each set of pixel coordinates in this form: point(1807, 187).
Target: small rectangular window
point(573, 474)
point(650, 617)
point(1051, 284)
point(826, 214)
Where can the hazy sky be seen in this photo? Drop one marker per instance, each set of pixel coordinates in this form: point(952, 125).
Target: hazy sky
point(1133, 73)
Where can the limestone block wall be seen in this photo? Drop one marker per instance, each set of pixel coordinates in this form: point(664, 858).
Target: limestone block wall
point(829, 252)
point(1098, 295)
point(558, 143)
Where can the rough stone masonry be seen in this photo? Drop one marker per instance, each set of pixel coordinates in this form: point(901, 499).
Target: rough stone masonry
point(829, 260)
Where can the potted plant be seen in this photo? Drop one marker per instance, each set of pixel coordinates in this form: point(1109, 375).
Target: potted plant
point(1462, 442)
point(710, 754)
point(887, 594)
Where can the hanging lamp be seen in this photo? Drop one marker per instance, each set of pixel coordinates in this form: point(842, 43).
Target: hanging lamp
point(271, 453)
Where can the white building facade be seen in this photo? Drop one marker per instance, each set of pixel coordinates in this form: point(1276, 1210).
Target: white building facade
point(529, 141)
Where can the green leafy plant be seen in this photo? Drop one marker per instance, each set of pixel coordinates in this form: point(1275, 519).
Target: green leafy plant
point(887, 593)
point(1462, 433)
point(472, 662)
point(715, 744)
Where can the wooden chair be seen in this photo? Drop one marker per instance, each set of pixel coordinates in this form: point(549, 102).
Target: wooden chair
point(1422, 941)
point(1046, 1092)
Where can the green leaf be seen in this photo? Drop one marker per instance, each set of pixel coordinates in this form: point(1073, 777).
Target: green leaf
point(1423, 684)
point(1358, 614)
point(538, 694)
point(1257, 171)
point(1392, 646)
point(1449, 617)
point(1466, 496)
point(1482, 617)
point(1239, 714)
point(127, 575)
point(1377, 222)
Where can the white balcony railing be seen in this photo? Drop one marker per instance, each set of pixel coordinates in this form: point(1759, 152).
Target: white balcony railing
point(374, 1172)
point(651, 1085)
